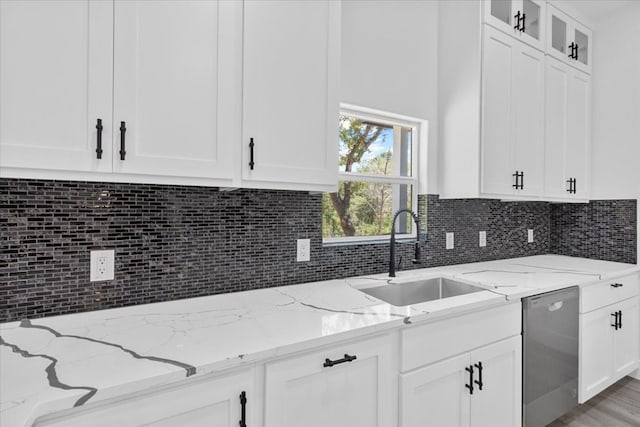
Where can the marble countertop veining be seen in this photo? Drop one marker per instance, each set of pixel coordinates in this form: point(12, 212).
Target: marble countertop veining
point(56, 363)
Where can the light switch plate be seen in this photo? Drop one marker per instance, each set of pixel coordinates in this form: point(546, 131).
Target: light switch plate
point(304, 250)
point(482, 239)
point(530, 236)
point(102, 265)
point(450, 241)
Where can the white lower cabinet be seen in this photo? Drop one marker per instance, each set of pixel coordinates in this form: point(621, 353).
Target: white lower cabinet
point(466, 390)
point(352, 385)
point(609, 346)
point(210, 402)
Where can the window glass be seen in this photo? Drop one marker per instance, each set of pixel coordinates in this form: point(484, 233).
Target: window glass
point(376, 179)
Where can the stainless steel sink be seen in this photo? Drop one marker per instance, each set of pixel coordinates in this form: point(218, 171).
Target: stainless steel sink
point(417, 291)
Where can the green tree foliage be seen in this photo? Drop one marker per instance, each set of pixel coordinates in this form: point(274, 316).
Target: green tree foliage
point(358, 208)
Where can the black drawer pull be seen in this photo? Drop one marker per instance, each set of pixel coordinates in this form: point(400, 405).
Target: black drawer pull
point(123, 130)
point(470, 385)
point(617, 285)
point(329, 363)
point(243, 409)
point(99, 139)
point(251, 162)
point(479, 380)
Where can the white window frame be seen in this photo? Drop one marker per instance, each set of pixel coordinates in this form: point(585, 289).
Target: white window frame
point(418, 146)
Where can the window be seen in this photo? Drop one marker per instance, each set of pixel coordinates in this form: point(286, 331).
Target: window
point(378, 174)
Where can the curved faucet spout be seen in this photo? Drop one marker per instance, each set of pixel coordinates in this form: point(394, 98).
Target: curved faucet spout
point(392, 245)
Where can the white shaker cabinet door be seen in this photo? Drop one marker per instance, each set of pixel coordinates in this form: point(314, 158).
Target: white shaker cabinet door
point(55, 83)
point(498, 368)
point(578, 132)
point(436, 395)
point(499, 51)
point(174, 83)
point(626, 338)
point(357, 391)
point(216, 402)
point(290, 98)
point(528, 127)
point(596, 351)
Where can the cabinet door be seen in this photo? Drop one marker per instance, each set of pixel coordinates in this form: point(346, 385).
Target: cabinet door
point(578, 132)
point(497, 113)
point(626, 345)
point(596, 355)
point(203, 403)
point(290, 103)
point(303, 392)
point(528, 88)
point(557, 107)
point(564, 32)
point(172, 61)
point(55, 82)
point(501, 384)
point(507, 15)
point(436, 395)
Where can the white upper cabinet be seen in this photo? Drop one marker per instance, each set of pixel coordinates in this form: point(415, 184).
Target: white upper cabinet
point(171, 64)
point(568, 135)
point(290, 94)
point(568, 40)
point(512, 117)
point(523, 19)
point(55, 84)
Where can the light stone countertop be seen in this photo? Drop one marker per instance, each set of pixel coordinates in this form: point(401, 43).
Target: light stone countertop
point(56, 363)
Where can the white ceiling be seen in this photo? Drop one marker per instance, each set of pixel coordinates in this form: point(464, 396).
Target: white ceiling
point(597, 10)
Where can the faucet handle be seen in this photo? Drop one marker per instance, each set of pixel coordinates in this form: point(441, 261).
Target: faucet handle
point(416, 255)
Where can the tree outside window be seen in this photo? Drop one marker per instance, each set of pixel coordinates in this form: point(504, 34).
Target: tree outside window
point(376, 178)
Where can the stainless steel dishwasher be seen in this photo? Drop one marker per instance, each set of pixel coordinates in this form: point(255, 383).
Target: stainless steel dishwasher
point(550, 356)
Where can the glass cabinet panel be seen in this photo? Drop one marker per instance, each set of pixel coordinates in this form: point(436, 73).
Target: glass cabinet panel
point(558, 34)
point(582, 40)
point(532, 21)
point(501, 9)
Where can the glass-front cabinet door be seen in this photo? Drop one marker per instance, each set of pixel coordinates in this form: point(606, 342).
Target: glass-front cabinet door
point(523, 19)
point(568, 40)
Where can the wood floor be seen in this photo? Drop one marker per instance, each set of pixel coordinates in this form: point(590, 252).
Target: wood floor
point(617, 406)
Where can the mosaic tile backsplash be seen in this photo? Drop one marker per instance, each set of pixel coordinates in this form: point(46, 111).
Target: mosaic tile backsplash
point(175, 242)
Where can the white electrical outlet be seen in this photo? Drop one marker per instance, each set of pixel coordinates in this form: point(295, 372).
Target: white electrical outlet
point(482, 239)
point(102, 265)
point(304, 250)
point(530, 236)
point(449, 240)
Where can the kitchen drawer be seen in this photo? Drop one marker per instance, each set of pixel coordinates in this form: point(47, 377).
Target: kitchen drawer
point(442, 339)
point(608, 292)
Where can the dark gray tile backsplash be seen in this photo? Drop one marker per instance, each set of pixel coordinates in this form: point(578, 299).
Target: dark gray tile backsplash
point(177, 242)
point(602, 229)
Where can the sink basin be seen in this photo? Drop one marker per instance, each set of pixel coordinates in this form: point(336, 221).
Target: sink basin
point(417, 291)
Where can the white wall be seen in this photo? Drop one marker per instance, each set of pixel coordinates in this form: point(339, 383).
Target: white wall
point(389, 52)
point(616, 107)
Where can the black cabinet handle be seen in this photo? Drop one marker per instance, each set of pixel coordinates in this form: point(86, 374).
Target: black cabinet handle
point(620, 319)
point(519, 180)
point(524, 17)
point(517, 19)
point(329, 363)
point(243, 409)
point(123, 130)
point(470, 385)
point(572, 186)
point(615, 320)
point(479, 380)
point(99, 139)
point(251, 162)
point(575, 56)
point(617, 285)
